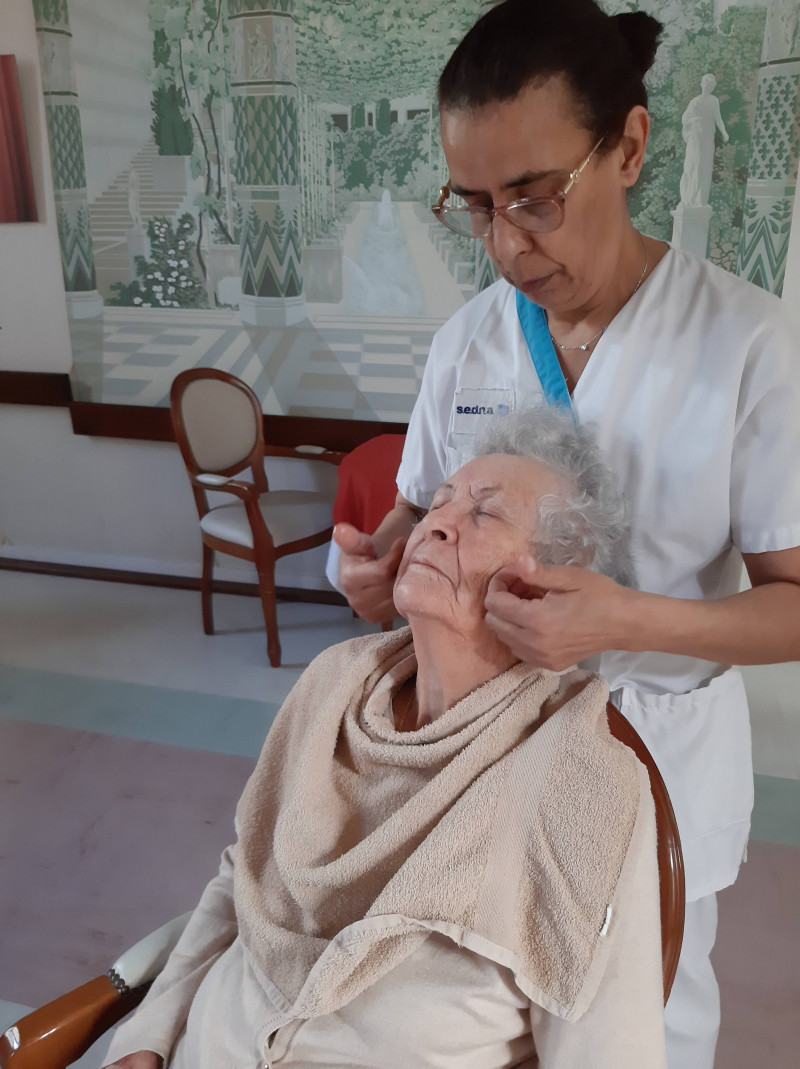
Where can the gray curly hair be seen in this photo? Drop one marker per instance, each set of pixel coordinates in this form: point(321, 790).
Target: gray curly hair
point(590, 527)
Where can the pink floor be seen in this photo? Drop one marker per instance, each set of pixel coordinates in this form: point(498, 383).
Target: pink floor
point(756, 958)
point(103, 839)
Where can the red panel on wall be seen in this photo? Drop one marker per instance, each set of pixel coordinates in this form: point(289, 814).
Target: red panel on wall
point(17, 198)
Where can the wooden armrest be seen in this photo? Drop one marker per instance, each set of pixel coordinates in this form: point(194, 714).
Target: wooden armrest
point(210, 479)
point(306, 452)
point(223, 484)
point(56, 1035)
point(668, 847)
point(311, 450)
point(319, 452)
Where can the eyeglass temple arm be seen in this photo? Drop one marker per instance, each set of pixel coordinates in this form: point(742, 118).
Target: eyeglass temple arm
point(573, 178)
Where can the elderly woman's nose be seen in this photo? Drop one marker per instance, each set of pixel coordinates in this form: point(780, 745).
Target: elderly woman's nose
point(442, 523)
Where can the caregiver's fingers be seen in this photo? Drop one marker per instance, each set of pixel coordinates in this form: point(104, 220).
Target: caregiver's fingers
point(353, 542)
point(368, 582)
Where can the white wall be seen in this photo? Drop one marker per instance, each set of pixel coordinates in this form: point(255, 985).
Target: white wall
point(88, 500)
point(111, 503)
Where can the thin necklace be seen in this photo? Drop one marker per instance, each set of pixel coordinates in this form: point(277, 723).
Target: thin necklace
point(602, 330)
point(402, 722)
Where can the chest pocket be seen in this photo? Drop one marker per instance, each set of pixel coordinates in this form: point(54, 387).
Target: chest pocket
point(472, 411)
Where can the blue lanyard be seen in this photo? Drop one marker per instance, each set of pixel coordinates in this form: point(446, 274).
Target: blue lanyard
point(543, 354)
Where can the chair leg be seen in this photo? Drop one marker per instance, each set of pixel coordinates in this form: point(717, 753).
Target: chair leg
point(205, 589)
point(266, 588)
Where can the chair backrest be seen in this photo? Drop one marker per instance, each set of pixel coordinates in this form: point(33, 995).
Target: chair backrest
point(368, 482)
point(217, 422)
point(670, 856)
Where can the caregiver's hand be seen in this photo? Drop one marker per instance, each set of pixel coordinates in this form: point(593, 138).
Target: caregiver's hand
point(366, 577)
point(142, 1059)
point(553, 616)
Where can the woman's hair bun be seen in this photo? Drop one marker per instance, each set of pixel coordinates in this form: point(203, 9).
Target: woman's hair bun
point(641, 33)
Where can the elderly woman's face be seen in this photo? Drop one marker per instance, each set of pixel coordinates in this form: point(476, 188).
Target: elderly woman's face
point(480, 520)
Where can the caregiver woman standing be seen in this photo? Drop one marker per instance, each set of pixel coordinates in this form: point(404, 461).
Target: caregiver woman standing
point(691, 377)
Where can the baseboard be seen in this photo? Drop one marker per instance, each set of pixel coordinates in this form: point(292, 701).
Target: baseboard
point(292, 571)
point(41, 388)
point(163, 579)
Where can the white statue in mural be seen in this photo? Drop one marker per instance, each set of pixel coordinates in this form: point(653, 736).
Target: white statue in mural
point(701, 120)
point(56, 74)
point(257, 54)
point(134, 200)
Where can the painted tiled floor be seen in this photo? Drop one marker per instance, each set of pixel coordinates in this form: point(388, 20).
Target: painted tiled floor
point(126, 735)
point(343, 366)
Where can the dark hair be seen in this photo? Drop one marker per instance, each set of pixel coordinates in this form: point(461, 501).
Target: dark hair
point(604, 59)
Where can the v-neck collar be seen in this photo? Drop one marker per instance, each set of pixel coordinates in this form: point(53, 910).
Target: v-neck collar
point(533, 323)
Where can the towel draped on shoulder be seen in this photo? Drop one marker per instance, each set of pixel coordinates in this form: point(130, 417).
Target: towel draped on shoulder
point(504, 825)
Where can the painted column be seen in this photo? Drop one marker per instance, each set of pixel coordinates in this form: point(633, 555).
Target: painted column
point(322, 256)
point(265, 115)
point(775, 153)
point(66, 153)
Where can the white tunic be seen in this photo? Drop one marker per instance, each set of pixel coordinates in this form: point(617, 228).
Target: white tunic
point(694, 390)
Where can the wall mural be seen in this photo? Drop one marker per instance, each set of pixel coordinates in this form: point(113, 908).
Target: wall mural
point(247, 183)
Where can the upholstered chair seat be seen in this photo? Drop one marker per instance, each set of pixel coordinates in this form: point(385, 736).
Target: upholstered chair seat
point(288, 514)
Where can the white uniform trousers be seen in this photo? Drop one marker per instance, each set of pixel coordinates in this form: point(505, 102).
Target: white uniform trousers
point(692, 1012)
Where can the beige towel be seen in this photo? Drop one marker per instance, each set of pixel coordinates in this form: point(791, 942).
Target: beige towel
point(505, 823)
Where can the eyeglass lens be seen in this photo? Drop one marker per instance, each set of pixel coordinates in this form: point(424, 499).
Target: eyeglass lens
point(537, 216)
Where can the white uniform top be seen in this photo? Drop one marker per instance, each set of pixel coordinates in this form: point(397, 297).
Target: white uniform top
point(694, 391)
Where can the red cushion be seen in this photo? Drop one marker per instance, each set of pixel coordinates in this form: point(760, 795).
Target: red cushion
point(367, 482)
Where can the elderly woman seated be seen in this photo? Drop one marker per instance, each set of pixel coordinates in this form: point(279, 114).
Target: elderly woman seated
point(443, 857)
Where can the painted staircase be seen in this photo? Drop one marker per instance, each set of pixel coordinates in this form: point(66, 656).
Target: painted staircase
point(109, 216)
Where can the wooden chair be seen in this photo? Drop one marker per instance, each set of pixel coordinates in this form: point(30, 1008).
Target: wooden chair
point(368, 482)
point(56, 1035)
point(219, 427)
point(367, 487)
point(671, 880)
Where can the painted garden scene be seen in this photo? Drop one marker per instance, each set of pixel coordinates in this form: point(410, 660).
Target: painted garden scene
point(247, 183)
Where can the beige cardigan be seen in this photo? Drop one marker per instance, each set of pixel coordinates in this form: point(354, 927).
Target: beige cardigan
point(488, 951)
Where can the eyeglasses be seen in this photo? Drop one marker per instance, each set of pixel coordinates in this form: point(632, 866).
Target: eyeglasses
point(537, 215)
